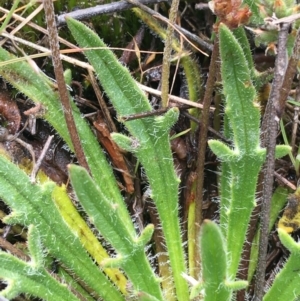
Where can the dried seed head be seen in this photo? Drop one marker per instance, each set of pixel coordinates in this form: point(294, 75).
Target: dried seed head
point(230, 13)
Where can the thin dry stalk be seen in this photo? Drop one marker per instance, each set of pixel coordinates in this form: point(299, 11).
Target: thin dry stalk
point(271, 123)
point(62, 88)
point(202, 146)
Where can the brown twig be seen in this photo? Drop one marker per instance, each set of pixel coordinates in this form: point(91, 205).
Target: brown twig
point(102, 103)
point(271, 123)
point(159, 111)
point(209, 128)
point(6, 245)
point(62, 89)
point(38, 163)
point(202, 145)
point(165, 72)
point(285, 181)
point(289, 76)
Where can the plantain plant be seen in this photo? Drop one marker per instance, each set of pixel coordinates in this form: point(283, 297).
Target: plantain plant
point(57, 231)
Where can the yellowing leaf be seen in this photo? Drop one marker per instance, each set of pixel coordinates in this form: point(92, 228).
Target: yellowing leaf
point(88, 239)
point(290, 220)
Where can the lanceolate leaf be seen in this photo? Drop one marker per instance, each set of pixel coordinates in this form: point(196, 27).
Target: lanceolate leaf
point(214, 262)
point(41, 90)
point(150, 142)
point(81, 230)
point(104, 214)
point(32, 204)
point(245, 157)
point(22, 277)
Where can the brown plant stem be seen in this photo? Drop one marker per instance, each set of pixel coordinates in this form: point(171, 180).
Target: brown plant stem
point(38, 163)
point(62, 89)
point(271, 125)
point(165, 73)
point(202, 148)
point(6, 245)
point(110, 123)
point(209, 128)
point(289, 76)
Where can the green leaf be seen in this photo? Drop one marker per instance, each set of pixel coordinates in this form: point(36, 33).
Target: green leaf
point(35, 247)
point(293, 102)
point(236, 285)
point(196, 290)
point(278, 201)
point(222, 150)
point(254, 7)
point(286, 284)
point(105, 215)
point(39, 89)
point(141, 296)
point(241, 109)
point(152, 135)
point(90, 242)
point(214, 262)
point(33, 204)
point(243, 118)
point(241, 36)
point(282, 150)
point(31, 277)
